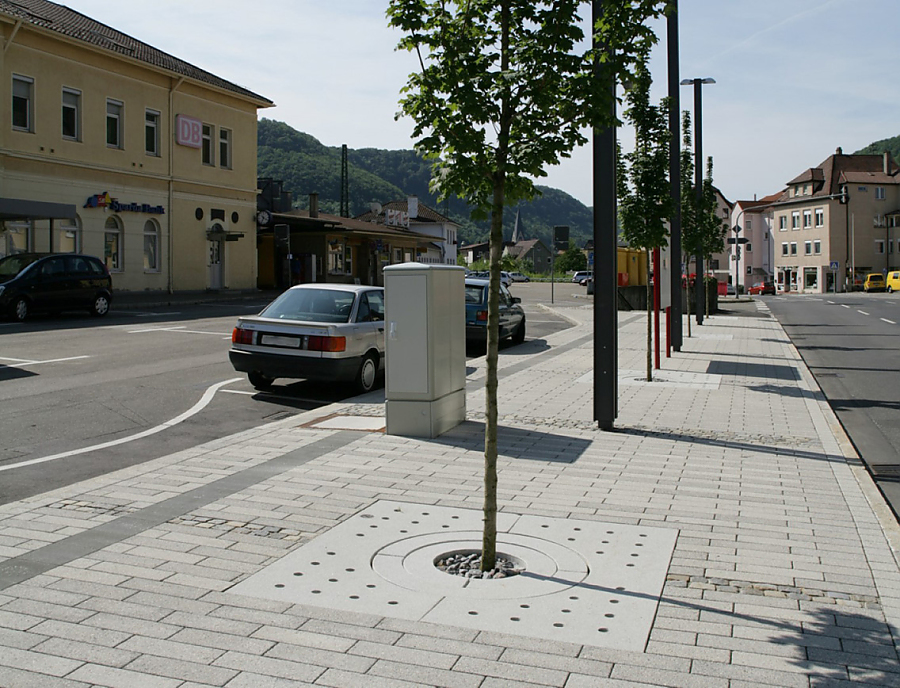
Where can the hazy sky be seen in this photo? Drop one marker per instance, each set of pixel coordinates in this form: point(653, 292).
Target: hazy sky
point(795, 78)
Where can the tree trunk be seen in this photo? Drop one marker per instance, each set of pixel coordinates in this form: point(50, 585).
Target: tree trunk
point(650, 305)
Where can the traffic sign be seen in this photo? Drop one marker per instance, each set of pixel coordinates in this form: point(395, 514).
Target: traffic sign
point(833, 265)
point(741, 240)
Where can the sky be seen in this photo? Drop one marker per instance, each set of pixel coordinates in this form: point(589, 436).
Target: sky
point(795, 79)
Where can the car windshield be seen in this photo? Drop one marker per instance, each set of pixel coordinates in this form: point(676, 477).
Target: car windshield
point(474, 293)
point(14, 264)
point(312, 305)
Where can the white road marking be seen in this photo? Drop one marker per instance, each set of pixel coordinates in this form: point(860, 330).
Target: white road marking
point(157, 329)
point(831, 302)
point(153, 315)
point(844, 305)
point(23, 362)
point(889, 321)
point(863, 312)
point(194, 410)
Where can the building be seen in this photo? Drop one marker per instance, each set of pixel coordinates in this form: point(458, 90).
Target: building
point(419, 218)
point(752, 261)
point(718, 265)
point(114, 148)
point(473, 253)
point(823, 244)
point(532, 251)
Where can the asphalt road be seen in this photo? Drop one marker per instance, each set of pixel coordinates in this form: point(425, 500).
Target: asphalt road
point(851, 344)
point(80, 397)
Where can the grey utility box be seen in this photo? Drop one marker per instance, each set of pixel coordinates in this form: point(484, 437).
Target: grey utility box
point(425, 348)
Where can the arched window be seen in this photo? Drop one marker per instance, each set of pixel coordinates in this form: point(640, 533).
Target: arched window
point(151, 246)
point(112, 244)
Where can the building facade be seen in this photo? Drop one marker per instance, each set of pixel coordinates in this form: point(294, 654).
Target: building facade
point(753, 260)
point(111, 147)
point(417, 217)
point(836, 222)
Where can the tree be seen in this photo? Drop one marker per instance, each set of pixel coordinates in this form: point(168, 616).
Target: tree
point(572, 260)
point(645, 200)
point(690, 229)
point(712, 230)
point(505, 89)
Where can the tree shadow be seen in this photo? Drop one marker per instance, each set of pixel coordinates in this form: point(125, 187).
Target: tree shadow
point(768, 371)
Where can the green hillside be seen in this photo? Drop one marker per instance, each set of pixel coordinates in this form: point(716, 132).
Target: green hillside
point(891, 145)
point(305, 165)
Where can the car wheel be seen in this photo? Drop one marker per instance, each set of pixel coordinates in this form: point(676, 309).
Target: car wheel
point(890, 290)
point(100, 306)
point(368, 374)
point(20, 309)
point(260, 381)
point(519, 335)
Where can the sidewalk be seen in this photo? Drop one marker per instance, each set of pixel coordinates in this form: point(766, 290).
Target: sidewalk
point(725, 535)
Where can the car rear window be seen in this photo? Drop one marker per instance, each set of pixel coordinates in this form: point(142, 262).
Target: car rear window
point(474, 293)
point(312, 305)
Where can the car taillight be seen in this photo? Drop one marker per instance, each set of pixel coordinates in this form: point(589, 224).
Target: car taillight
point(481, 316)
point(322, 343)
point(240, 336)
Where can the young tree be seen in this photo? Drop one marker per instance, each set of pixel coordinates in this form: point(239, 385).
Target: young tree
point(690, 230)
point(570, 261)
point(645, 200)
point(712, 229)
point(506, 88)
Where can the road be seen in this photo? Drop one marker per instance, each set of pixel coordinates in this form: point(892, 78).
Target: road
point(850, 343)
point(80, 397)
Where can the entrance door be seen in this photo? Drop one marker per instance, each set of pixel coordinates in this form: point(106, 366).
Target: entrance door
point(216, 279)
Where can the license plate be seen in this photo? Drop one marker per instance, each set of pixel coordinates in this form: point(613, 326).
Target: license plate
point(275, 340)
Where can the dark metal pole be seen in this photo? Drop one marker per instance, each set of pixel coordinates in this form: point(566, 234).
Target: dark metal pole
point(698, 184)
point(675, 255)
point(605, 251)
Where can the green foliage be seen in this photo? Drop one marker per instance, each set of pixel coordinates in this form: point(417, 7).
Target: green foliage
point(690, 229)
point(891, 145)
point(713, 231)
point(570, 261)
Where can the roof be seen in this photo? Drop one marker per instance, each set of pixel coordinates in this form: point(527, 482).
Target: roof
point(840, 169)
point(325, 222)
point(426, 214)
point(521, 248)
point(51, 17)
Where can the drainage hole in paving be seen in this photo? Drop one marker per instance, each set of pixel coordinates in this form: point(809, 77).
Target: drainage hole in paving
point(620, 588)
point(473, 613)
point(316, 592)
point(525, 606)
point(514, 618)
point(297, 573)
point(393, 602)
point(614, 601)
point(566, 611)
point(602, 630)
point(467, 564)
point(354, 597)
point(279, 585)
point(609, 616)
point(314, 563)
point(349, 570)
point(332, 580)
point(330, 554)
point(558, 625)
point(370, 585)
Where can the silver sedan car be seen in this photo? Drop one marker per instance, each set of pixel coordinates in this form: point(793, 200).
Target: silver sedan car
point(330, 332)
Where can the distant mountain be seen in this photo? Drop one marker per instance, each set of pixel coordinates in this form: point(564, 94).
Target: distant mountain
point(305, 166)
point(891, 145)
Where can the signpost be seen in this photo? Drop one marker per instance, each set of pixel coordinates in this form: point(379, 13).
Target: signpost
point(834, 268)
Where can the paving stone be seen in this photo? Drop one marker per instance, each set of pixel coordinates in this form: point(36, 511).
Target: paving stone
point(86, 652)
point(29, 660)
point(425, 676)
point(268, 666)
point(182, 670)
point(27, 679)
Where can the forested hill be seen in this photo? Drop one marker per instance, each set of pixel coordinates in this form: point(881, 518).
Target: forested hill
point(891, 145)
point(305, 166)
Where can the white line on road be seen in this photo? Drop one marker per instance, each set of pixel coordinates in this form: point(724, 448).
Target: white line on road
point(863, 312)
point(23, 362)
point(153, 315)
point(831, 302)
point(194, 410)
point(889, 321)
point(157, 329)
point(844, 305)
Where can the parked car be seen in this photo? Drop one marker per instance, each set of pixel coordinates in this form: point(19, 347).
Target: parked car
point(730, 290)
point(519, 277)
point(32, 282)
point(512, 316)
point(762, 288)
point(582, 277)
point(330, 332)
point(874, 282)
point(505, 278)
point(893, 282)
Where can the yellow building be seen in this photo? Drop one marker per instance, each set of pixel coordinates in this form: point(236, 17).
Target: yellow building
point(111, 147)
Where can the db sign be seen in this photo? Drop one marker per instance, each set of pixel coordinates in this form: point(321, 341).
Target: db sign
point(188, 131)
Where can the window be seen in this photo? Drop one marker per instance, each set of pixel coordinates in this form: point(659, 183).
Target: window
point(748, 248)
point(336, 257)
point(748, 223)
point(71, 114)
point(793, 248)
point(112, 245)
point(151, 132)
point(817, 247)
point(18, 238)
point(879, 193)
point(807, 248)
point(795, 219)
point(151, 246)
point(22, 103)
point(114, 112)
point(810, 278)
point(807, 219)
point(68, 237)
point(749, 269)
point(879, 247)
point(784, 248)
point(820, 217)
point(225, 148)
point(207, 153)
point(782, 222)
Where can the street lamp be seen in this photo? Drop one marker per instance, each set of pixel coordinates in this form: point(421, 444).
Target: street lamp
point(698, 181)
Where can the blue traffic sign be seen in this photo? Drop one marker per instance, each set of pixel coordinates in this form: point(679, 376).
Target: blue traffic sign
point(834, 265)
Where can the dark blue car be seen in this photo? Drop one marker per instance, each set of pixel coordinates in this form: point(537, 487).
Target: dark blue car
point(512, 317)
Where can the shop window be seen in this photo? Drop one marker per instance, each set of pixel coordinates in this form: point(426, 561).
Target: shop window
point(810, 278)
point(151, 246)
point(17, 238)
point(820, 217)
point(71, 114)
point(68, 237)
point(151, 132)
point(22, 103)
point(115, 111)
point(112, 244)
point(225, 148)
point(208, 155)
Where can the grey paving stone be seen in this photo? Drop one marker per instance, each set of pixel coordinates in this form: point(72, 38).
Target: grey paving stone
point(305, 638)
point(394, 653)
point(86, 652)
point(171, 649)
point(80, 632)
point(529, 644)
point(186, 620)
point(505, 670)
point(131, 625)
point(446, 645)
point(580, 665)
point(40, 610)
point(182, 670)
point(29, 660)
point(268, 666)
point(342, 630)
point(250, 680)
point(662, 677)
point(425, 676)
point(748, 674)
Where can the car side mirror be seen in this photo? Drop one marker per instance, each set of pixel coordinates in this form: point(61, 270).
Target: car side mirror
point(516, 299)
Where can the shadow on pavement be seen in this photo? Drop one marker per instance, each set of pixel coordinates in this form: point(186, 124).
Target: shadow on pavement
point(516, 443)
point(763, 370)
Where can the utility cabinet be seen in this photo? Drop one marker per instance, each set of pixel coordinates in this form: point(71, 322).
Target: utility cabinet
point(425, 348)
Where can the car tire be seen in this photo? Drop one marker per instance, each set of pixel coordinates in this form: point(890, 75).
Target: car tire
point(519, 335)
point(260, 381)
point(100, 307)
point(20, 309)
point(890, 290)
point(367, 375)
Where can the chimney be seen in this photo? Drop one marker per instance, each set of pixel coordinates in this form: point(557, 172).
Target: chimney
point(887, 162)
point(412, 207)
point(314, 205)
point(838, 151)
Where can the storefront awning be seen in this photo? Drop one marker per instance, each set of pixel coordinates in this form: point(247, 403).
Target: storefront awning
point(21, 209)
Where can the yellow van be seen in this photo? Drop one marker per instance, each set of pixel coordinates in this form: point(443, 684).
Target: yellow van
point(893, 281)
point(874, 282)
